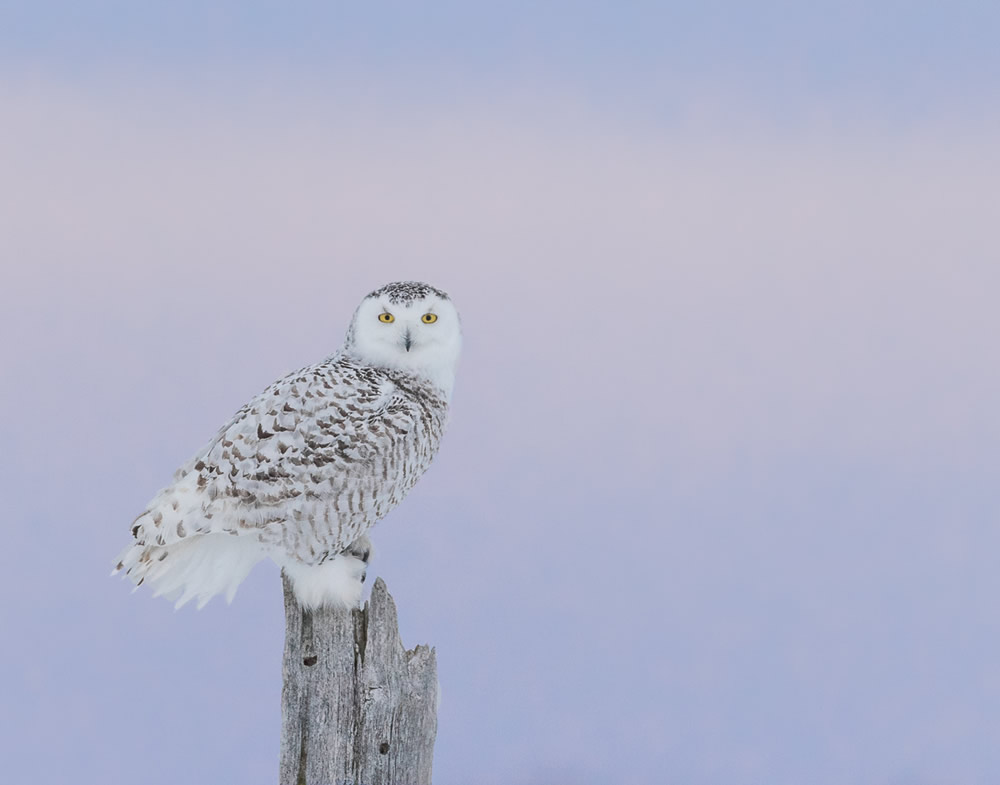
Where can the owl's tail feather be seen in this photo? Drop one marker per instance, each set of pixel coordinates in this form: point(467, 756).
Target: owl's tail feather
point(199, 567)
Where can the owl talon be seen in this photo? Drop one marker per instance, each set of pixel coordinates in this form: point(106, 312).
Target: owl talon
point(360, 549)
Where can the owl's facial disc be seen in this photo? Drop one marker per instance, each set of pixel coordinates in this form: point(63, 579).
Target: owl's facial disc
point(410, 327)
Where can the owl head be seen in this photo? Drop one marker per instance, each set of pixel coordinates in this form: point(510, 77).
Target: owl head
point(408, 326)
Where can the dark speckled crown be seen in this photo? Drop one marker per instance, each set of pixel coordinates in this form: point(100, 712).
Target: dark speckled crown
point(407, 292)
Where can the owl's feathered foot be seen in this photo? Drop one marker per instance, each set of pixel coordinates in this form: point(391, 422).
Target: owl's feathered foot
point(336, 581)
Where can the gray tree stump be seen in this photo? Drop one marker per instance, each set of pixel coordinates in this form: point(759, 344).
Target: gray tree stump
point(356, 707)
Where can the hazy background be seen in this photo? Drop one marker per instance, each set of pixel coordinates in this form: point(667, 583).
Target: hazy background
point(718, 503)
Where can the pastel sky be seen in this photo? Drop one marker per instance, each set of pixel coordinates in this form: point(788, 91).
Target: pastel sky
point(718, 503)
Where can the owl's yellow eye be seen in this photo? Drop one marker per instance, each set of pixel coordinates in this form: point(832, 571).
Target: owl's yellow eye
point(429, 318)
point(387, 318)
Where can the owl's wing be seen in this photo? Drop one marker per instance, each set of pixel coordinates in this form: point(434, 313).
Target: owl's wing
point(303, 466)
point(305, 437)
point(299, 473)
point(300, 445)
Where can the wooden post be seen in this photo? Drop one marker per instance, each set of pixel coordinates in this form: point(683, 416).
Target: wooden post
point(356, 707)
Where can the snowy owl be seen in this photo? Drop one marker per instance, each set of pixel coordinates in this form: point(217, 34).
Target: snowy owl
point(305, 469)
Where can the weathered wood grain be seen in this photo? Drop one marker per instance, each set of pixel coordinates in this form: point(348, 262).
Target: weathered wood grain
point(356, 707)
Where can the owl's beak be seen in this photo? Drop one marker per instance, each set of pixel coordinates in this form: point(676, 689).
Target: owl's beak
point(408, 341)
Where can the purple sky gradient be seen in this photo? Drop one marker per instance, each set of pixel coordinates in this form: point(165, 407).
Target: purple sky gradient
point(718, 503)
